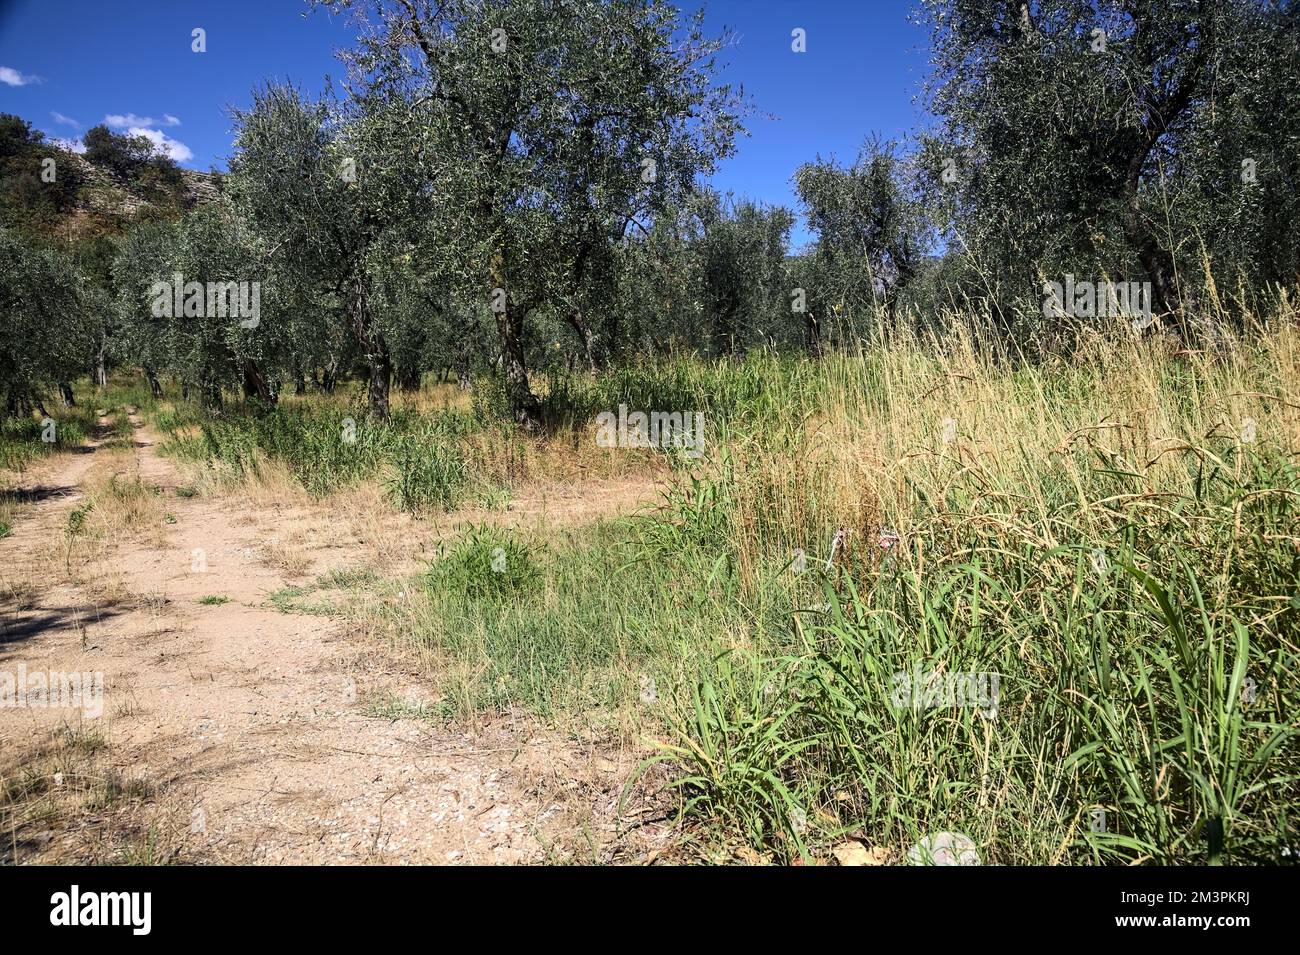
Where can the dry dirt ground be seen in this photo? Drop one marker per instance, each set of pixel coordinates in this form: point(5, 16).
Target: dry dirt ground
point(237, 733)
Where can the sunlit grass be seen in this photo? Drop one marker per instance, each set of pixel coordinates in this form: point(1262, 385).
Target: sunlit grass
point(1113, 535)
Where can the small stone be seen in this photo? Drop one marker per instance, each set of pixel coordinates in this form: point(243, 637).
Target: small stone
point(944, 848)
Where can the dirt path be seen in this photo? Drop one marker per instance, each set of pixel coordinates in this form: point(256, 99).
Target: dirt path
point(245, 732)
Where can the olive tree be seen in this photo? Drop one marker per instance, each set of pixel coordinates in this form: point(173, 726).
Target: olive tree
point(49, 317)
point(328, 191)
point(546, 130)
point(742, 262)
point(1060, 117)
point(873, 230)
point(196, 297)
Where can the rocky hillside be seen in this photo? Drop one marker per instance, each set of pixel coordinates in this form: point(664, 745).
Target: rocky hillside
point(117, 181)
point(107, 200)
point(108, 194)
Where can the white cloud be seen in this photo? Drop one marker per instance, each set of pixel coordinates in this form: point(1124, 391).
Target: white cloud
point(71, 145)
point(123, 121)
point(11, 77)
point(65, 120)
point(172, 147)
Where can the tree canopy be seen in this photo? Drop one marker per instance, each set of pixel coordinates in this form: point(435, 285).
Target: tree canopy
point(502, 187)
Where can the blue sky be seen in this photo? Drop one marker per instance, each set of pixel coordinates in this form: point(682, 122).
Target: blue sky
point(66, 65)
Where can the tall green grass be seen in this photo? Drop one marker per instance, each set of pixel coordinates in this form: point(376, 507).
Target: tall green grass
point(22, 440)
point(1114, 535)
point(1104, 535)
point(327, 449)
point(1137, 594)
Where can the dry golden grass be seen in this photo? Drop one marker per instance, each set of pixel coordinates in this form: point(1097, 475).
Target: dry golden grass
point(122, 505)
point(63, 801)
point(288, 558)
point(911, 419)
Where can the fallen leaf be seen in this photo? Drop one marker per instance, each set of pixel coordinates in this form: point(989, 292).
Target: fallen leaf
point(750, 857)
point(855, 853)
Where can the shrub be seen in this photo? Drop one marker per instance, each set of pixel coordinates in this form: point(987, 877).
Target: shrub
point(485, 563)
point(427, 475)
